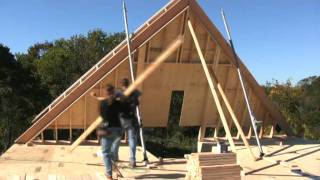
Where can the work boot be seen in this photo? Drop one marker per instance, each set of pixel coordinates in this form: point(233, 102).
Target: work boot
point(132, 164)
point(108, 176)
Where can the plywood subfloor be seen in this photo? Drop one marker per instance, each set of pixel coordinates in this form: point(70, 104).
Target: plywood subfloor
point(54, 162)
point(304, 154)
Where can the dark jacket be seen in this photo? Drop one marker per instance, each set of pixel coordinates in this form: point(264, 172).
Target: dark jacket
point(110, 110)
point(129, 105)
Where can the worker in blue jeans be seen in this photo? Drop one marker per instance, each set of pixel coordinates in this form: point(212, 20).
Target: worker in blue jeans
point(110, 130)
point(128, 114)
point(109, 145)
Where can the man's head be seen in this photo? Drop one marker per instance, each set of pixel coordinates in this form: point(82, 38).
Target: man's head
point(110, 90)
point(125, 83)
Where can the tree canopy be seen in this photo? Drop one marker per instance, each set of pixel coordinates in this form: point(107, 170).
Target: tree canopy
point(300, 104)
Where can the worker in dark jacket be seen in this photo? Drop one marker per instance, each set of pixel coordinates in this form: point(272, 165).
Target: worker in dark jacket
point(110, 130)
point(128, 117)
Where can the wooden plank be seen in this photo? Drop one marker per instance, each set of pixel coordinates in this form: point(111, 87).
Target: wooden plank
point(245, 115)
point(100, 88)
point(42, 137)
point(233, 116)
point(56, 131)
point(249, 133)
point(182, 33)
point(225, 75)
point(215, 67)
point(224, 84)
point(212, 166)
point(271, 132)
point(212, 87)
point(261, 132)
point(189, 54)
point(232, 93)
point(85, 113)
point(139, 80)
point(70, 126)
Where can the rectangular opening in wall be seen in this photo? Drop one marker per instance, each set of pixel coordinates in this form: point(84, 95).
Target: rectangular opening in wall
point(48, 134)
point(234, 131)
point(63, 134)
point(93, 136)
point(209, 132)
point(76, 133)
point(175, 108)
point(220, 132)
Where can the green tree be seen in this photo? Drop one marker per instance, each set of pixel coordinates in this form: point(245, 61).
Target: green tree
point(300, 104)
point(65, 60)
point(18, 97)
point(286, 97)
point(310, 106)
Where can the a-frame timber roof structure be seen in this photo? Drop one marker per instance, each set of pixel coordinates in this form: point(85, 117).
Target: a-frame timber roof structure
point(181, 71)
point(202, 67)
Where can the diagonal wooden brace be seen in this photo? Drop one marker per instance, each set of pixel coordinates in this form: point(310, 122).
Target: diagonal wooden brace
point(212, 87)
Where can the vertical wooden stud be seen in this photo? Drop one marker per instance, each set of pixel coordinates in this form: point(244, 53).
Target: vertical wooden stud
point(70, 125)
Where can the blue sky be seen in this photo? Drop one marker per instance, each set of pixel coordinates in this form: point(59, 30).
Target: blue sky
point(276, 39)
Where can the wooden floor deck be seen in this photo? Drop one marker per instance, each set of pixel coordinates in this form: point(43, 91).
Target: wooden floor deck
point(304, 154)
point(55, 162)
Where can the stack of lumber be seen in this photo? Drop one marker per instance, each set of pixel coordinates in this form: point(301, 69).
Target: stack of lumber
point(209, 166)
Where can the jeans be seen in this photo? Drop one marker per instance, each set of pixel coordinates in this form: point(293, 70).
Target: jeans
point(132, 138)
point(110, 146)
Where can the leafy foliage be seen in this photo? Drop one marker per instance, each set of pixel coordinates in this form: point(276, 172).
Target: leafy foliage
point(62, 62)
point(310, 106)
point(19, 92)
point(300, 104)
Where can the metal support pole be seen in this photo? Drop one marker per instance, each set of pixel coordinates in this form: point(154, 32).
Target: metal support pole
point(145, 157)
point(252, 118)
